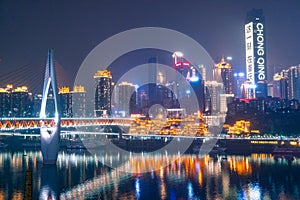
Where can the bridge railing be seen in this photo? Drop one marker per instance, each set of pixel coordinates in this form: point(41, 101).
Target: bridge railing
point(32, 123)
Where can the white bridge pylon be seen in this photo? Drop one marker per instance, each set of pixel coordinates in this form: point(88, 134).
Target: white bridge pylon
point(50, 135)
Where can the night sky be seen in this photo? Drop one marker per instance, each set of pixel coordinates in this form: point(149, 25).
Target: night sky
point(74, 28)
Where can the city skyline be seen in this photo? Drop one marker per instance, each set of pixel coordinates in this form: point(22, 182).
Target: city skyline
point(148, 99)
point(220, 34)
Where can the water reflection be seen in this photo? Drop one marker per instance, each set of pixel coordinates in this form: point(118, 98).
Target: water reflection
point(80, 175)
point(49, 186)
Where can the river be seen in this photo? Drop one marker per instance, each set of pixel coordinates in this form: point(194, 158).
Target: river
point(82, 175)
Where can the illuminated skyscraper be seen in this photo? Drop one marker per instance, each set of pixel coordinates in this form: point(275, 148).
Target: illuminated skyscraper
point(224, 73)
point(280, 86)
point(37, 102)
point(21, 102)
point(72, 102)
point(197, 83)
point(294, 82)
point(103, 93)
point(150, 88)
point(79, 101)
point(126, 98)
point(216, 101)
point(4, 102)
point(286, 84)
point(239, 79)
point(195, 80)
point(15, 102)
point(65, 96)
point(256, 63)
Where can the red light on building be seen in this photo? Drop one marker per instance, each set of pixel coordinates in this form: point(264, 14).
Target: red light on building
point(186, 64)
point(180, 64)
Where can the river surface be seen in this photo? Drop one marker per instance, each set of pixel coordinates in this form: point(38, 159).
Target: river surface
point(82, 175)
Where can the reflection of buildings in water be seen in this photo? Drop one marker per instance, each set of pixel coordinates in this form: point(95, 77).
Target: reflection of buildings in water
point(262, 158)
point(213, 179)
point(240, 165)
point(225, 184)
point(186, 167)
point(204, 172)
point(17, 195)
point(2, 194)
point(11, 162)
point(163, 193)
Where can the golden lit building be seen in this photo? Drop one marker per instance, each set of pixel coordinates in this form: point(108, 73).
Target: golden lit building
point(72, 102)
point(15, 102)
point(103, 79)
point(240, 127)
point(223, 72)
point(79, 101)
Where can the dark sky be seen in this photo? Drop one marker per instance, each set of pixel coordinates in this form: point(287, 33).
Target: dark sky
point(74, 28)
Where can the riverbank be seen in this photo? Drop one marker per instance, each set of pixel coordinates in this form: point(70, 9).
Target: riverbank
point(230, 146)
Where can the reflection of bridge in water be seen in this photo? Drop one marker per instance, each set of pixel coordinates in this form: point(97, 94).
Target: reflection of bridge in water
point(180, 167)
point(130, 166)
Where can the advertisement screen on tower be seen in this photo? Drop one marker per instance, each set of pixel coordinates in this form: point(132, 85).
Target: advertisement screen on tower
point(260, 52)
point(249, 52)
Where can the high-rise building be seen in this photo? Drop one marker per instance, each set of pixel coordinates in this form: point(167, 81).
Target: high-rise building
point(280, 86)
point(126, 99)
point(165, 97)
point(37, 102)
point(223, 72)
point(239, 79)
point(72, 102)
point(196, 82)
point(15, 102)
point(202, 71)
point(286, 84)
point(150, 88)
point(256, 63)
point(4, 102)
point(143, 103)
point(294, 82)
point(21, 102)
point(152, 69)
point(215, 97)
point(103, 93)
point(65, 101)
point(270, 90)
point(248, 90)
point(79, 101)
